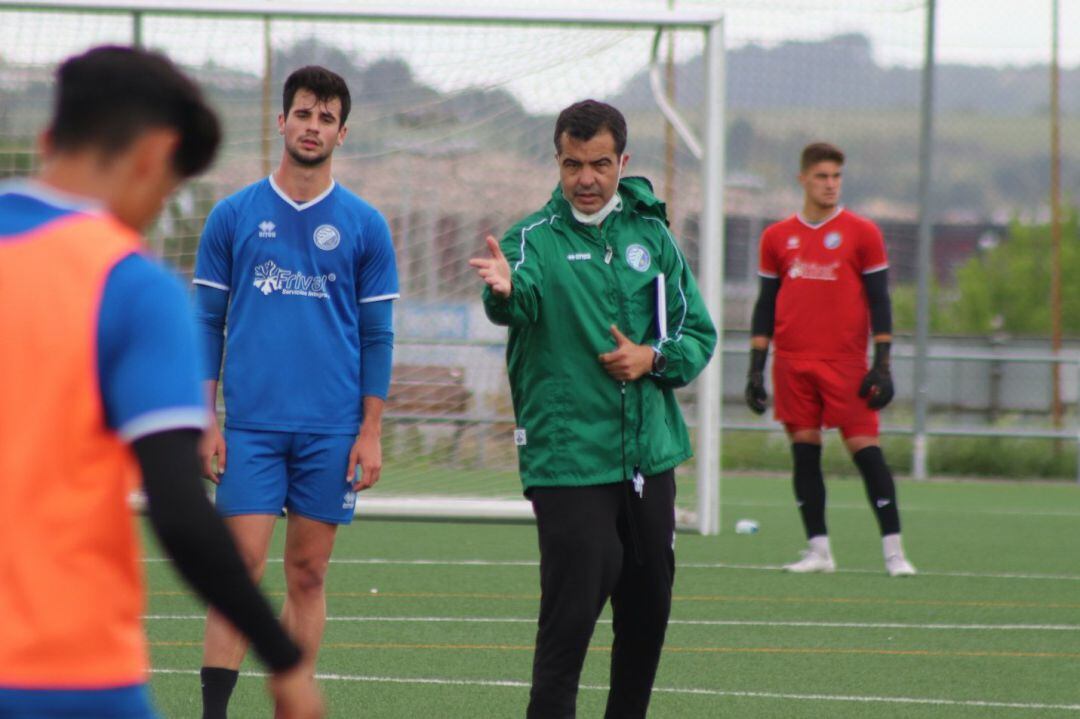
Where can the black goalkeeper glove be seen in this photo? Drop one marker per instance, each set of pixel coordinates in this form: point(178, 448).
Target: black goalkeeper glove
point(877, 386)
point(756, 395)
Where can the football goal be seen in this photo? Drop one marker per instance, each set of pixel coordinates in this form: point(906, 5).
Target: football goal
point(450, 137)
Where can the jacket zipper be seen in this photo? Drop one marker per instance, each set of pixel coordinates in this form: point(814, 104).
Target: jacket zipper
point(609, 254)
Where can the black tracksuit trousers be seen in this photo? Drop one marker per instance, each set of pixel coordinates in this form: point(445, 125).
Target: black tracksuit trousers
point(598, 542)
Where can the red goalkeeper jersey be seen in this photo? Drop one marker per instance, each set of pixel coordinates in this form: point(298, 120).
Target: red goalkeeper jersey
point(821, 309)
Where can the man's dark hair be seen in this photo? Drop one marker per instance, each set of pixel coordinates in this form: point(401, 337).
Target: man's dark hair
point(108, 96)
point(324, 84)
point(817, 152)
point(584, 120)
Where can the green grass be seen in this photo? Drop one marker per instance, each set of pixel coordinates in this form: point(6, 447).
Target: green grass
point(989, 628)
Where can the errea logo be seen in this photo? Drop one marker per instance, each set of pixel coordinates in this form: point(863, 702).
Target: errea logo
point(579, 256)
point(267, 229)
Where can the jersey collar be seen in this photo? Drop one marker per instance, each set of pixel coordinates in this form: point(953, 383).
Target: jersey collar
point(818, 225)
point(305, 205)
point(52, 196)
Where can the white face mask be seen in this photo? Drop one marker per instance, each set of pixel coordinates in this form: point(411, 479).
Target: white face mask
point(596, 218)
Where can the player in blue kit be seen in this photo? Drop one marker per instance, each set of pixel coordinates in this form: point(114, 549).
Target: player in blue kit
point(302, 272)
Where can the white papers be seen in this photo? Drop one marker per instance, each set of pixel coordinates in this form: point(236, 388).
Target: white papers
point(661, 308)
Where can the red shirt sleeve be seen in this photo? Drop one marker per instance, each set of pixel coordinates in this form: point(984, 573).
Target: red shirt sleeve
point(769, 262)
point(872, 257)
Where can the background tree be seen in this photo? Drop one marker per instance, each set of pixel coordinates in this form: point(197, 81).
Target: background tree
point(1004, 288)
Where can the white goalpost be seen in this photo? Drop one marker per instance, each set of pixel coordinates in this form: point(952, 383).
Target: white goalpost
point(450, 136)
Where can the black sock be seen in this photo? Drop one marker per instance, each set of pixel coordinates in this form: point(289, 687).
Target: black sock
point(810, 487)
point(217, 686)
point(880, 488)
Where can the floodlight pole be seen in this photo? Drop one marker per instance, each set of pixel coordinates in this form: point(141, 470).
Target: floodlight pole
point(268, 68)
point(669, 129)
point(1055, 216)
point(710, 272)
point(925, 247)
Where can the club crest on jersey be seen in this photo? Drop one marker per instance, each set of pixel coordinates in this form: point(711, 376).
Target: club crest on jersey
point(638, 257)
point(327, 237)
point(267, 229)
point(833, 240)
point(793, 243)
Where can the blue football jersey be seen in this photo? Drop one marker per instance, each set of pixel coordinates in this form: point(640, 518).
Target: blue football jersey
point(296, 275)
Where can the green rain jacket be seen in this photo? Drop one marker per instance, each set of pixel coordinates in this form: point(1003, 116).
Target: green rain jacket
point(570, 282)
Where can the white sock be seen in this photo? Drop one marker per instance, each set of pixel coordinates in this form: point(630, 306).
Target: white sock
point(819, 545)
point(891, 546)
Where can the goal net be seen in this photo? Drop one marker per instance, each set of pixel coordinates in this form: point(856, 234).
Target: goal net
point(450, 136)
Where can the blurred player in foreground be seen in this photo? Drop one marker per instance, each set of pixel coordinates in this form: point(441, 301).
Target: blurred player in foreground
point(98, 381)
point(824, 289)
point(302, 272)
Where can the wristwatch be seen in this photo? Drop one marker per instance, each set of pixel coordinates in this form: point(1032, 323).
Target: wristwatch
point(659, 361)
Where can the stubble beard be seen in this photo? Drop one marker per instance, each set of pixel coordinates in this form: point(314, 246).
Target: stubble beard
point(307, 161)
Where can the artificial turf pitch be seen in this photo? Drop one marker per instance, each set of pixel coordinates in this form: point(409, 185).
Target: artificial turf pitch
point(433, 620)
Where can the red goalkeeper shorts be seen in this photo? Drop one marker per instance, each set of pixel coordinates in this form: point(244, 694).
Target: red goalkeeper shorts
point(811, 394)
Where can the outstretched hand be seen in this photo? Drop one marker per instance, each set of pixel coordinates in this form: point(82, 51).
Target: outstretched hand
point(628, 361)
point(494, 270)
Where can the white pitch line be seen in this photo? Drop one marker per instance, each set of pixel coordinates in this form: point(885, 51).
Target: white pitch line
point(922, 573)
point(408, 562)
point(919, 509)
point(684, 622)
point(681, 565)
point(517, 684)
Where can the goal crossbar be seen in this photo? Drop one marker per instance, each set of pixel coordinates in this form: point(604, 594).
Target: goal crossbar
point(340, 10)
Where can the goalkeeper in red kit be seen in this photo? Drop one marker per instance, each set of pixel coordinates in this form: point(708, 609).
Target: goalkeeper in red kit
point(824, 293)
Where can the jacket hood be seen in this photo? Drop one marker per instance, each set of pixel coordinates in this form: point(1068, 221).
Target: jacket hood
point(636, 192)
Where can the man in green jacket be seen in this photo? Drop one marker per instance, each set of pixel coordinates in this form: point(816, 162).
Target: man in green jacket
point(605, 322)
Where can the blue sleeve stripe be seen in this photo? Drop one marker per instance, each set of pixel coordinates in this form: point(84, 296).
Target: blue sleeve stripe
point(379, 298)
point(209, 283)
point(164, 419)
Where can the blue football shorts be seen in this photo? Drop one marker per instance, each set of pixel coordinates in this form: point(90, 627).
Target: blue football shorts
point(132, 702)
point(304, 473)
